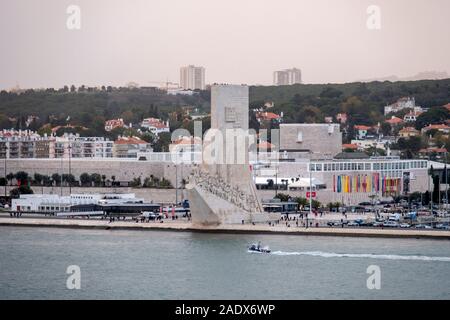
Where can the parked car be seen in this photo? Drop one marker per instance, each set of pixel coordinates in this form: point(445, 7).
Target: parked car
point(390, 224)
point(378, 224)
point(366, 224)
point(405, 225)
point(353, 224)
point(394, 217)
point(442, 226)
point(336, 223)
point(422, 226)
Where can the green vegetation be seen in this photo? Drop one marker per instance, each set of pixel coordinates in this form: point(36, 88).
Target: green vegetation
point(85, 180)
point(16, 192)
point(283, 197)
point(86, 109)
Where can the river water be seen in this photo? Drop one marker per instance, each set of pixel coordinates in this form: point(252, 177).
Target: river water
point(183, 265)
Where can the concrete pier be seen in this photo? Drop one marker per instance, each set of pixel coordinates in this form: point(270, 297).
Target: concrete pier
point(229, 228)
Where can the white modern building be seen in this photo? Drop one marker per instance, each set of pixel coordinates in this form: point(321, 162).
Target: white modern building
point(192, 78)
point(129, 147)
point(50, 203)
point(287, 77)
point(403, 103)
point(91, 147)
point(32, 145)
point(18, 144)
point(155, 126)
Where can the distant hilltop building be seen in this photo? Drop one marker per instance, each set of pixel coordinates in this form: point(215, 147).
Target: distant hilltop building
point(129, 147)
point(155, 126)
point(402, 103)
point(268, 116)
point(341, 118)
point(287, 77)
point(113, 124)
point(412, 116)
point(192, 78)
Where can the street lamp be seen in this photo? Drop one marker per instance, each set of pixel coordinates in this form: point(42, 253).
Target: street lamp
point(276, 180)
point(62, 173)
point(6, 156)
point(446, 182)
point(70, 169)
point(310, 193)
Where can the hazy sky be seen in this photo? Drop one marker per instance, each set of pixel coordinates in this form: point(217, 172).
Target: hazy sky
point(237, 41)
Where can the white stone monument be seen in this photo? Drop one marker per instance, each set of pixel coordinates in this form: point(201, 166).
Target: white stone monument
point(221, 189)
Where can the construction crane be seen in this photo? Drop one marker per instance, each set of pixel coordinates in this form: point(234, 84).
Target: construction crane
point(165, 84)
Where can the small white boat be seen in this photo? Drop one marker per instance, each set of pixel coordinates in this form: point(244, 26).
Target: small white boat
point(256, 247)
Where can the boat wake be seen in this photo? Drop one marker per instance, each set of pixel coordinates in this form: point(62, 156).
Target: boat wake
point(360, 255)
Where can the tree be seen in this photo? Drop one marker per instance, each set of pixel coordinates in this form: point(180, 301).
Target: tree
point(163, 142)
point(166, 184)
point(316, 204)
point(4, 121)
point(96, 179)
point(136, 182)
point(56, 178)
point(301, 202)
point(113, 178)
point(21, 177)
point(38, 178)
point(3, 181)
point(148, 137)
point(69, 179)
point(103, 179)
point(45, 130)
point(361, 90)
point(436, 188)
point(24, 189)
point(386, 129)
point(283, 197)
point(330, 92)
point(432, 116)
point(413, 144)
point(46, 180)
point(85, 179)
point(10, 176)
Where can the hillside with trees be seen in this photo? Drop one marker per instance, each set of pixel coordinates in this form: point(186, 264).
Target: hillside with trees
point(86, 109)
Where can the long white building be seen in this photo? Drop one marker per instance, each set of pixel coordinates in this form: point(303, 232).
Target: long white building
point(49, 203)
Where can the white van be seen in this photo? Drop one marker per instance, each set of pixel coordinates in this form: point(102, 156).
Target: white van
point(394, 217)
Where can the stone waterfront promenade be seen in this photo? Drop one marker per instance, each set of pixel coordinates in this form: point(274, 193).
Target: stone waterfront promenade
point(235, 228)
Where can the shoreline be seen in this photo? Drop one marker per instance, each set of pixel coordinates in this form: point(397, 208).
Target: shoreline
point(230, 229)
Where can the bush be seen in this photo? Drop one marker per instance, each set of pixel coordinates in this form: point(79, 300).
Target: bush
point(155, 182)
point(16, 192)
point(283, 197)
point(136, 182)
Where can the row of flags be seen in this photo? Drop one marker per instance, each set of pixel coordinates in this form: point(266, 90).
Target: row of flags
point(366, 183)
